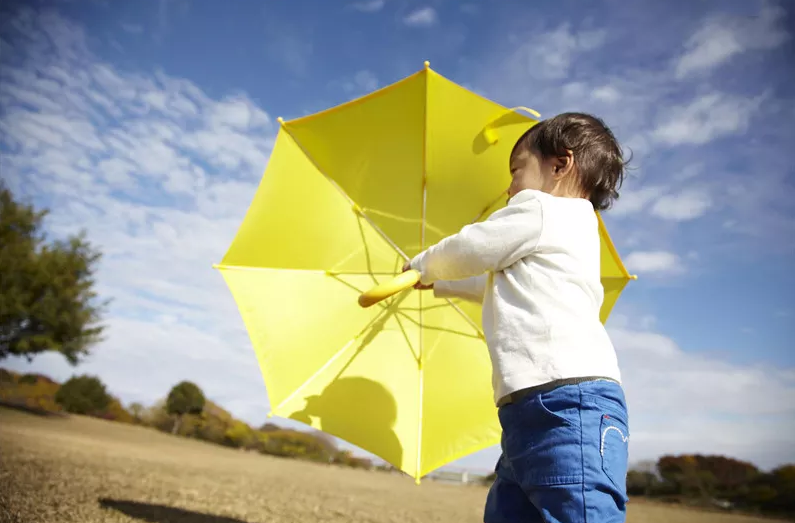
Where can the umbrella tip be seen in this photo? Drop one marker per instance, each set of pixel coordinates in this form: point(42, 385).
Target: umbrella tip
point(427, 64)
point(280, 120)
point(634, 276)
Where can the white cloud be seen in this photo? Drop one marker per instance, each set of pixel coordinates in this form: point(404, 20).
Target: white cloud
point(723, 37)
point(132, 28)
point(689, 402)
point(422, 17)
point(160, 175)
point(707, 118)
point(361, 83)
point(369, 6)
point(606, 93)
point(574, 90)
point(590, 40)
point(550, 55)
point(634, 201)
point(686, 205)
point(653, 262)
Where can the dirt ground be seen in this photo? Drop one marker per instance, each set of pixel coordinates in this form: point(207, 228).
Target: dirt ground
point(77, 469)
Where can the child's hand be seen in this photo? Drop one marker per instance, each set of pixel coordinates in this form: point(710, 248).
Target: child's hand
point(418, 285)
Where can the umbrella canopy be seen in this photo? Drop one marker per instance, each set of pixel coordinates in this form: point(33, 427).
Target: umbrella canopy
point(349, 194)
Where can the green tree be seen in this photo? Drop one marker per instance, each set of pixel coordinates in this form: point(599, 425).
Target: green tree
point(185, 398)
point(137, 411)
point(83, 395)
point(47, 301)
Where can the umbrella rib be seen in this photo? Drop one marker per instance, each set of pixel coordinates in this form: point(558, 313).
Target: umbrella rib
point(330, 361)
point(308, 271)
point(466, 317)
point(438, 329)
point(405, 335)
point(423, 217)
point(358, 210)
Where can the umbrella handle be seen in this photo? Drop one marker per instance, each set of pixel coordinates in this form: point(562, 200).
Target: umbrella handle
point(383, 291)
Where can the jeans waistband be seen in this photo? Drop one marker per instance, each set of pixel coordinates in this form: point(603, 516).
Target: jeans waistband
point(545, 387)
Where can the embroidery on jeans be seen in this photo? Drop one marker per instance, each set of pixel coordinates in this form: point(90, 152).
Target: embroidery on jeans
point(604, 433)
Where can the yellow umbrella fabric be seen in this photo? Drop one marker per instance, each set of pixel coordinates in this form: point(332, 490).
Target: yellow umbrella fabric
point(348, 195)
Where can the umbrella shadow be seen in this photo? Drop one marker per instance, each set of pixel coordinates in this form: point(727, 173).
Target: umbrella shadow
point(356, 408)
point(152, 513)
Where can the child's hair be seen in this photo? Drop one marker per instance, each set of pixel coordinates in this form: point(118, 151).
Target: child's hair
point(597, 155)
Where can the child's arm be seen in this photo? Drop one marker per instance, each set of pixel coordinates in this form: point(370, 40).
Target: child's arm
point(505, 237)
point(471, 289)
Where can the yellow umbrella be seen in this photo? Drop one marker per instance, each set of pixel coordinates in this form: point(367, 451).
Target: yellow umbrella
point(349, 194)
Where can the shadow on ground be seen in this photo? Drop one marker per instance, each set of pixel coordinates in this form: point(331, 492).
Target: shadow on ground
point(161, 513)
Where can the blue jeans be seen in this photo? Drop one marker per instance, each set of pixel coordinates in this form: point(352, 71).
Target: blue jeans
point(564, 457)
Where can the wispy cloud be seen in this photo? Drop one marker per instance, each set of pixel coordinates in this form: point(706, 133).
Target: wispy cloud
point(723, 37)
point(689, 402)
point(361, 83)
point(686, 205)
point(132, 28)
point(470, 8)
point(422, 17)
point(632, 201)
point(288, 43)
point(369, 6)
point(550, 55)
point(706, 118)
point(160, 174)
point(654, 262)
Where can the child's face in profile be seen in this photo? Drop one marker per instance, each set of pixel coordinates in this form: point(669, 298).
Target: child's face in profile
point(530, 171)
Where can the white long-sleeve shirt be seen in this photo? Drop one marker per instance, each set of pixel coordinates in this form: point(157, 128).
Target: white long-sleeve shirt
point(535, 267)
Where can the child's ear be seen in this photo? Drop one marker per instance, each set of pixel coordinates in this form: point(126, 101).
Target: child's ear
point(564, 164)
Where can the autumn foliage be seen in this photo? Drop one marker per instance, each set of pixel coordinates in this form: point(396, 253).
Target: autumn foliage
point(716, 480)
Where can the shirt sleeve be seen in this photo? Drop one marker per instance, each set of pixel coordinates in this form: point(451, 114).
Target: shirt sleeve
point(507, 236)
point(471, 289)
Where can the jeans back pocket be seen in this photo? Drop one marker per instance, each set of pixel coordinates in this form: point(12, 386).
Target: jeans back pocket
point(614, 451)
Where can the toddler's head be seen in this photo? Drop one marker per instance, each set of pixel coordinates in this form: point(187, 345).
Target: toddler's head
point(572, 155)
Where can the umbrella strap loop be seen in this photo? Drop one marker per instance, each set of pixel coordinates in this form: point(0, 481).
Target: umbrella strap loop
point(490, 134)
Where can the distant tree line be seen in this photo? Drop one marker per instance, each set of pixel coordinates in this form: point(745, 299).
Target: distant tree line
point(715, 480)
point(184, 412)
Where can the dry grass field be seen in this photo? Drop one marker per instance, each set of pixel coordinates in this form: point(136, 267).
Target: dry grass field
point(77, 469)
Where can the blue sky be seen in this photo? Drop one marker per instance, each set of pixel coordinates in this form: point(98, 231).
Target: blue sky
point(149, 124)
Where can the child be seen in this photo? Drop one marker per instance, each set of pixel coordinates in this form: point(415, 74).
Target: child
point(534, 265)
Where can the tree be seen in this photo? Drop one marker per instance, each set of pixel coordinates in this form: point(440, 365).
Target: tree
point(83, 395)
point(185, 398)
point(47, 301)
point(137, 411)
point(685, 474)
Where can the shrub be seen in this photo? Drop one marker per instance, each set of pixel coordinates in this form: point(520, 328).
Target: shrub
point(240, 435)
point(116, 412)
point(293, 443)
point(83, 395)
